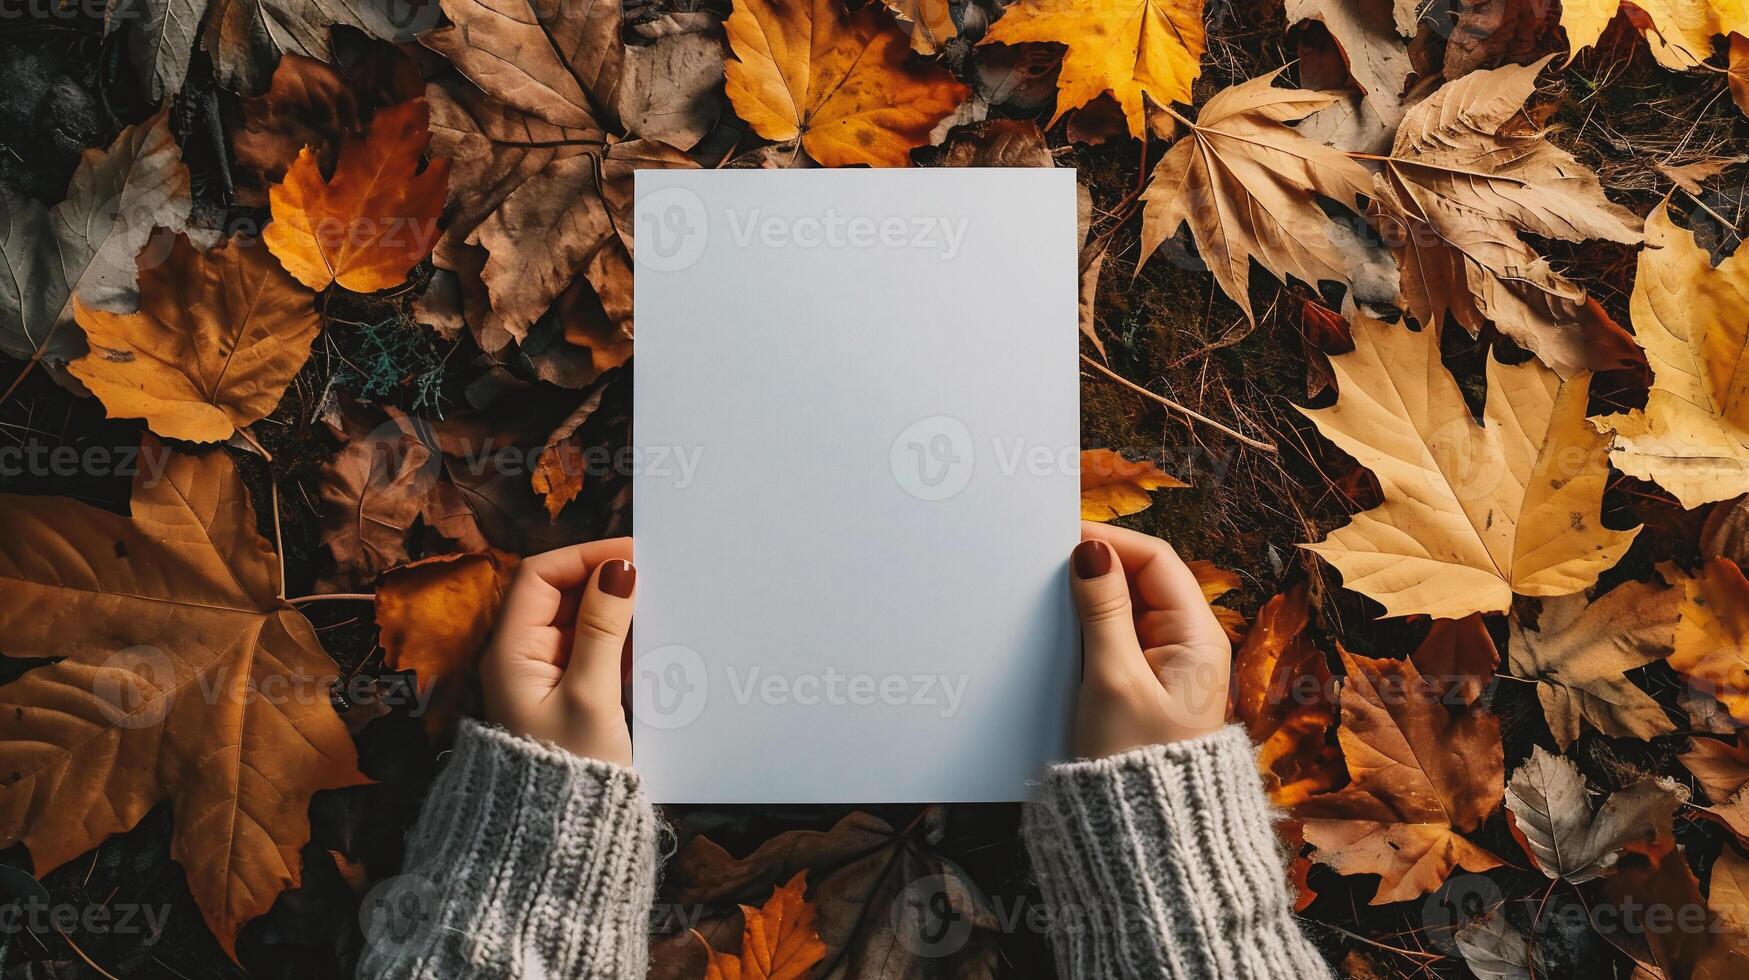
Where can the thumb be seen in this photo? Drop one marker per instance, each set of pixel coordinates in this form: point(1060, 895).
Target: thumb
point(604, 620)
point(1102, 602)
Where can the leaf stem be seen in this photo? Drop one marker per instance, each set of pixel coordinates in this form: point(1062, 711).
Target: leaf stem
point(336, 596)
point(1267, 447)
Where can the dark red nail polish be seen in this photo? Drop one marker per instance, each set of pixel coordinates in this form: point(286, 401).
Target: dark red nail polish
point(1091, 559)
point(617, 578)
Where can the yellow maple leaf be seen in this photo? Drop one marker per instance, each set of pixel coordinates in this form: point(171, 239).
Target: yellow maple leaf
point(1681, 31)
point(778, 941)
point(1712, 638)
point(1114, 487)
point(1692, 438)
point(1129, 48)
point(365, 227)
point(218, 337)
point(1472, 513)
point(841, 82)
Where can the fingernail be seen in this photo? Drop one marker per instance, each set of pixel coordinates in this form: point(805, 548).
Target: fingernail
point(617, 578)
point(1091, 559)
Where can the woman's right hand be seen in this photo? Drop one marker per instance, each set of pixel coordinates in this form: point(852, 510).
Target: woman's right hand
point(1156, 662)
point(552, 671)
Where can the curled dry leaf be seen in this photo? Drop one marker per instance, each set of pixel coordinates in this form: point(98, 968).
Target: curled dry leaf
point(1493, 948)
point(1690, 176)
point(1472, 513)
point(672, 84)
point(1712, 639)
point(1248, 185)
point(778, 940)
point(86, 246)
point(1692, 438)
point(366, 226)
point(841, 82)
point(119, 724)
point(1129, 48)
point(1376, 58)
point(386, 479)
point(1552, 814)
point(1578, 652)
point(1425, 766)
point(1282, 694)
point(1460, 185)
point(1681, 32)
point(929, 22)
point(218, 337)
point(1722, 770)
point(1113, 487)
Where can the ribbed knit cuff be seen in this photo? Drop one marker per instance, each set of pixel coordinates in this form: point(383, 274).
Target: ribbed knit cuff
point(527, 861)
point(1161, 862)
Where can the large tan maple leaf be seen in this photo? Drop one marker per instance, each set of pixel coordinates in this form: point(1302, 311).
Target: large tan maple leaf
point(1424, 761)
point(183, 677)
point(1129, 48)
point(1248, 184)
point(1692, 438)
point(1461, 184)
point(1472, 513)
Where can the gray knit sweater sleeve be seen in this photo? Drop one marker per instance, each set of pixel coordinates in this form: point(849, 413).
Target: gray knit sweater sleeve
point(527, 862)
point(1161, 862)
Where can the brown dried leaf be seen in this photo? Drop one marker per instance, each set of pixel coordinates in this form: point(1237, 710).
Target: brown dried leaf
point(232, 724)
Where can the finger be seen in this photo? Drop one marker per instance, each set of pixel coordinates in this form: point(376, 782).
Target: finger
point(1102, 602)
point(1162, 581)
point(604, 620)
point(536, 597)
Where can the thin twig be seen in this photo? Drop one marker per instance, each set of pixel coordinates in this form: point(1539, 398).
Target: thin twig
point(1412, 954)
point(1267, 447)
point(336, 596)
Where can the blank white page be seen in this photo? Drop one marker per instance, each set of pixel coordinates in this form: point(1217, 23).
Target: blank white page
point(855, 431)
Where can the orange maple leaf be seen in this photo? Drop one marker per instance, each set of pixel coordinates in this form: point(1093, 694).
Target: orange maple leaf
point(778, 941)
point(365, 227)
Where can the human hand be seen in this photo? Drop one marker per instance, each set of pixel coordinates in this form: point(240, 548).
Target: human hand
point(1156, 662)
point(552, 671)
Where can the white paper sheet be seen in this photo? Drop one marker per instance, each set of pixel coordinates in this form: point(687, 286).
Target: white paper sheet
point(856, 426)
